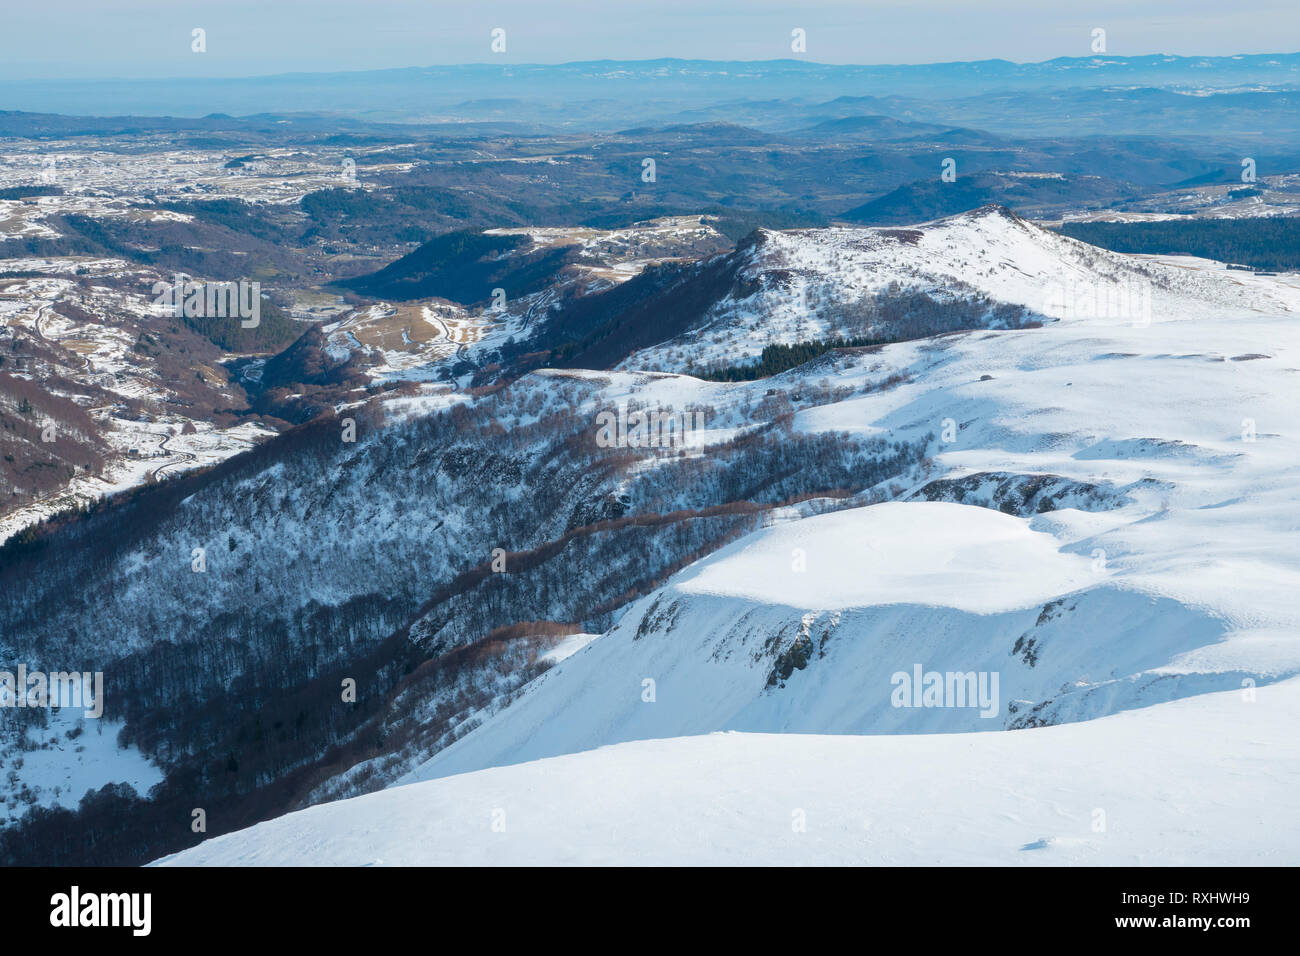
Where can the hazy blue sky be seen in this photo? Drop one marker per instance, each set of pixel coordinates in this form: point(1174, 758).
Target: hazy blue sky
point(151, 38)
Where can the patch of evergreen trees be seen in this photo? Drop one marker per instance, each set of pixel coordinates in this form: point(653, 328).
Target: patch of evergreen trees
point(777, 358)
point(1269, 243)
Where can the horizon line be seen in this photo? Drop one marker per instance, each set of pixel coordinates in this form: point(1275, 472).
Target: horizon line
point(1098, 57)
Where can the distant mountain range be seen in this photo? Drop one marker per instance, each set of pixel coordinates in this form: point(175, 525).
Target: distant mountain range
point(932, 198)
point(611, 92)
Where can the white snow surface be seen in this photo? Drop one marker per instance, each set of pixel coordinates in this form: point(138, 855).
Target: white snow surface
point(1207, 781)
point(926, 553)
point(59, 770)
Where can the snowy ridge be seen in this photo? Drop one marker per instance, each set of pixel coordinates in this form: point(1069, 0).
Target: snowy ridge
point(797, 284)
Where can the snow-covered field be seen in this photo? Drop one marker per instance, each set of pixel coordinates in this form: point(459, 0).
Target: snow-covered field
point(115, 183)
point(71, 756)
point(1209, 780)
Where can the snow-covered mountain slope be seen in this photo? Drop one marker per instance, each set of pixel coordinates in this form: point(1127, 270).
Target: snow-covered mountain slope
point(1112, 550)
point(987, 268)
point(1140, 788)
point(1099, 513)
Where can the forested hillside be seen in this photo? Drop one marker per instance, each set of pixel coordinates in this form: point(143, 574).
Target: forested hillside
point(1266, 243)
